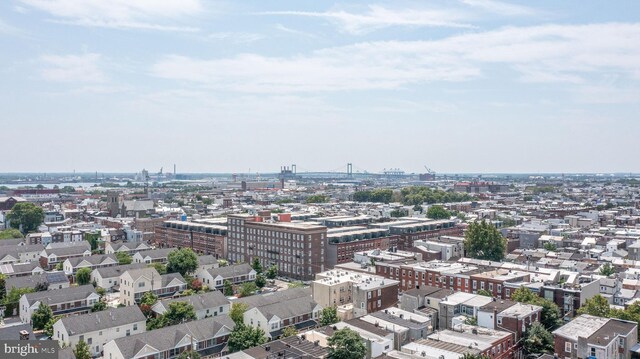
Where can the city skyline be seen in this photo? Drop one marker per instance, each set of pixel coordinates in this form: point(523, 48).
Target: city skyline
point(471, 86)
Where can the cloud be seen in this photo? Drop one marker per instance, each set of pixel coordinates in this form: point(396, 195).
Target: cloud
point(8, 29)
point(294, 31)
point(73, 68)
point(378, 17)
point(120, 14)
point(501, 8)
point(237, 37)
point(549, 53)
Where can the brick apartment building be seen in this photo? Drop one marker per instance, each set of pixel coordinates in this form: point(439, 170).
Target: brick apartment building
point(413, 229)
point(297, 249)
point(202, 238)
point(343, 242)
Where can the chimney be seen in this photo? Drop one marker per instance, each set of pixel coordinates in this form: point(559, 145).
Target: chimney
point(24, 335)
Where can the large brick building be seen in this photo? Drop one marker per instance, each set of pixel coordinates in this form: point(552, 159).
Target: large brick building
point(201, 237)
point(343, 242)
point(297, 249)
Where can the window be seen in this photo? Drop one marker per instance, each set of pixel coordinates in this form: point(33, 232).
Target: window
point(593, 352)
point(135, 327)
point(475, 285)
point(507, 292)
point(128, 332)
point(89, 341)
point(500, 320)
point(490, 287)
point(481, 285)
point(379, 303)
point(100, 333)
point(567, 347)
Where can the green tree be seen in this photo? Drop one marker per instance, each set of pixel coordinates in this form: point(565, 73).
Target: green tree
point(317, 198)
point(483, 241)
point(237, 312)
point(189, 354)
point(156, 323)
point(272, 272)
point(26, 216)
point(81, 350)
point(289, 331)
point(247, 289)
point(41, 316)
point(161, 268)
point(183, 261)
point(243, 337)
point(607, 269)
point(550, 246)
point(471, 321)
point(99, 306)
point(328, 316)
point(485, 293)
point(438, 212)
point(11, 233)
point(179, 312)
point(260, 281)
point(48, 328)
point(256, 265)
point(346, 344)
point(538, 340)
point(101, 292)
point(59, 266)
point(396, 213)
point(228, 288)
point(596, 305)
point(295, 285)
point(124, 258)
point(93, 239)
point(149, 298)
point(223, 262)
point(83, 276)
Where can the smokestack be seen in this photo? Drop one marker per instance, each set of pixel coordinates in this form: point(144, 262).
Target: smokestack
point(174, 170)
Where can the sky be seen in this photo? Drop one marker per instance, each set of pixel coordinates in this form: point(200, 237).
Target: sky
point(460, 86)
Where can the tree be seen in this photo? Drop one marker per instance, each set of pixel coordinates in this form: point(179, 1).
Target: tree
point(161, 268)
point(260, 281)
point(396, 213)
point(183, 261)
point(41, 287)
point(10, 233)
point(438, 212)
point(147, 300)
point(295, 285)
point(81, 350)
point(607, 269)
point(483, 241)
point(237, 312)
point(189, 354)
point(179, 312)
point(223, 262)
point(41, 316)
point(101, 292)
point(247, 289)
point(272, 272)
point(26, 216)
point(93, 239)
point(485, 293)
point(317, 198)
point(328, 316)
point(83, 276)
point(346, 344)
point(597, 305)
point(256, 265)
point(243, 337)
point(48, 328)
point(550, 246)
point(99, 306)
point(538, 340)
point(289, 331)
point(471, 321)
point(228, 288)
point(59, 266)
point(124, 258)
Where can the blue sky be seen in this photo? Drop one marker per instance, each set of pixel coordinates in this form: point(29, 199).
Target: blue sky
point(217, 86)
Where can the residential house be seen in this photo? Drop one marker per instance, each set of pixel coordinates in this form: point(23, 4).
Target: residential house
point(209, 304)
point(236, 274)
point(98, 328)
point(72, 265)
point(207, 336)
point(597, 337)
point(54, 254)
point(72, 300)
point(406, 326)
point(510, 316)
point(108, 278)
point(20, 269)
point(44, 280)
point(160, 255)
point(127, 247)
point(20, 253)
point(135, 282)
